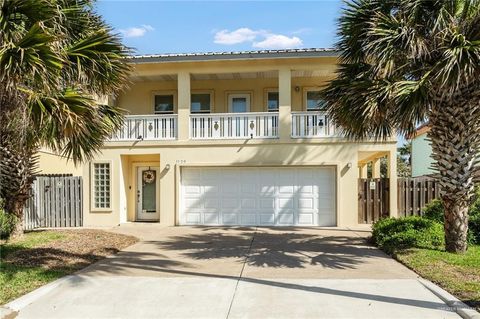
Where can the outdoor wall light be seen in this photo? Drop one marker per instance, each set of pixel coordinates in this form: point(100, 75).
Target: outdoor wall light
point(297, 89)
point(167, 167)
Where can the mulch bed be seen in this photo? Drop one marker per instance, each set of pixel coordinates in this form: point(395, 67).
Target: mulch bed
point(79, 248)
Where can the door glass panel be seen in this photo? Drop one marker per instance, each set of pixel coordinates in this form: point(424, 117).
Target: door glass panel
point(239, 105)
point(149, 191)
point(163, 104)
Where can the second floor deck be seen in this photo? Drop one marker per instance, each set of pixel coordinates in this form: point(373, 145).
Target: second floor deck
point(219, 126)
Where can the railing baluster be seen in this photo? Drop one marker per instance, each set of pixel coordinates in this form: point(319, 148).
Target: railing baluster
point(311, 124)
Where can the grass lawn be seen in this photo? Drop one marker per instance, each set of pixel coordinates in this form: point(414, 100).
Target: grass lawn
point(43, 256)
point(458, 274)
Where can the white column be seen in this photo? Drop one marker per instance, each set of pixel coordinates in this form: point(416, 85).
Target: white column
point(285, 101)
point(183, 105)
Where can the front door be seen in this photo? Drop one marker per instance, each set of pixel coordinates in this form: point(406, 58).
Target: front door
point(148, 185)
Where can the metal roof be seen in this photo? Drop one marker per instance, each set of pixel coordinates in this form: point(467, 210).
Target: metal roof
point(235, 55)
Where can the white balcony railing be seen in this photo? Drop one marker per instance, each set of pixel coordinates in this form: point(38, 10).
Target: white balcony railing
point(312, 124)
point(233, 125)
point(148, 127)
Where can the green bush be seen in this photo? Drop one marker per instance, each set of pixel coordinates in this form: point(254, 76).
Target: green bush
point(434, 211)
point(391, 234)
point(7, 223)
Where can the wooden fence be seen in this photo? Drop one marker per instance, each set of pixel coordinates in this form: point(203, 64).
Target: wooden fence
point(56, 201)
point(415, 193)
point(373, 199)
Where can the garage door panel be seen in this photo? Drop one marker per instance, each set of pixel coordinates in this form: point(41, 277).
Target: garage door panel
point(211, 218)
point(248, 219)
point(258, 196)
point(266, 219)
point(285, 219)
point(305, 219)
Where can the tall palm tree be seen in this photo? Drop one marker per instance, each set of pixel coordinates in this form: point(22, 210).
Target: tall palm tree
point(57, 57)
point(405, 61)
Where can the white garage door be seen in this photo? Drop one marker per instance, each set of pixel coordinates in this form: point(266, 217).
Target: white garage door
point(258, 196)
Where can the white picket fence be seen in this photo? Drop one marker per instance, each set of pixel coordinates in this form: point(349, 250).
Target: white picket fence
point(55, 201)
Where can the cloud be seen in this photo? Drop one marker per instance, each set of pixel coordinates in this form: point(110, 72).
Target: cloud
point(278, 41)
point(136, 32)
point(238, 36)
point(261, 39)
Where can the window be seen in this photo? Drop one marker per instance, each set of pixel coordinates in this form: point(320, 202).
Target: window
point(272, 101)
point(239, 103)
point(164, 104)
point(101, 179)
point(201, 103)
point(314, 101)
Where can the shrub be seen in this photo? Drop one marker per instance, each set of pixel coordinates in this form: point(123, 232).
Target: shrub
point(434, 211)
point(7, 223)
point(391, 234)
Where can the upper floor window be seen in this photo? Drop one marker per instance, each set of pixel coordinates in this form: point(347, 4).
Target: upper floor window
point(201, 103)
point(314, 101)
point(272, 101)
point(239, 103)
point(164, 103)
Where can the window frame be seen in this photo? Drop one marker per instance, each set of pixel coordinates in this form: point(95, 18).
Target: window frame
point(168, 92)
point(92, 186)
point(305, 99)
point(265, 102)
point(231, 95)
point(212, 98)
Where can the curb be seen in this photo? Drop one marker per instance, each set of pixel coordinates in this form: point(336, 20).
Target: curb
point(460, 308)
point(23, 301)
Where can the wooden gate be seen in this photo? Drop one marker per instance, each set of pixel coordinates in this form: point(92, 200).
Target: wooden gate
point(415, 193)
point(55, 201)
point(373, 199)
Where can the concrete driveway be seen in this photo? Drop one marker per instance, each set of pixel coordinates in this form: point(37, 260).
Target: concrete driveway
point(216, 272)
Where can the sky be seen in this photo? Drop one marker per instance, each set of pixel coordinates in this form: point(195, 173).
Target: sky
point(151, 27)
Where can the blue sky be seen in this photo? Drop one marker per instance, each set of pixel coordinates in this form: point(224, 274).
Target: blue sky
point(197, 26)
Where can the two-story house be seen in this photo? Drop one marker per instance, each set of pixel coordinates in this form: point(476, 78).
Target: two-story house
point(234, 138)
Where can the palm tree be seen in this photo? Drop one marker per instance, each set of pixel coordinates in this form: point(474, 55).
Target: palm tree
point(406, 61)
point(57, 57)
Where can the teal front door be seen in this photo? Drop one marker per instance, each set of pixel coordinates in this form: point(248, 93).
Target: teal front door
point(148, 184)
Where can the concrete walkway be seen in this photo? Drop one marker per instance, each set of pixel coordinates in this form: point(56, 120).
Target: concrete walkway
point(190, 272)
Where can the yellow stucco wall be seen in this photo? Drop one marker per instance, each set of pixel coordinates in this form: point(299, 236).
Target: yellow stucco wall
point(124, 163)
point(50, 163)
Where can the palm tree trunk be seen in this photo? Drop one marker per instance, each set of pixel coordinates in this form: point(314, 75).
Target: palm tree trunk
point(455, 140)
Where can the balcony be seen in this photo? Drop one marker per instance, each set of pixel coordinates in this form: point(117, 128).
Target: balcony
point(312, 125)
point(262, 125)
point(225, 126)
point(148, 128)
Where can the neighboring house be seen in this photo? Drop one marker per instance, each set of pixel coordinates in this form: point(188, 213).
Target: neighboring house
point(234, 138)
point(421, 158)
